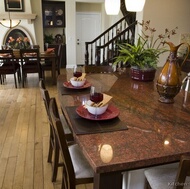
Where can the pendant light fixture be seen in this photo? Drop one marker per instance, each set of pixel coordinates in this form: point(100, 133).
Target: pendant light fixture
point(134, 5)
point(9, 23)
point(112, 7)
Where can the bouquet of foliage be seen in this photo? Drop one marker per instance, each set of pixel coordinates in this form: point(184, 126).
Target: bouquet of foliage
point(19, 43)
point(145, 53)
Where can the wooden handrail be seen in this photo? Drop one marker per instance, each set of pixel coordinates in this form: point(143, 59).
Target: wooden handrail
point(102, 49)
point(110, 28)
point(118, 36)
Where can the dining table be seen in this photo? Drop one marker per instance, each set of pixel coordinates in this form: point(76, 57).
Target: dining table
point(143, 133)
point(43, 55)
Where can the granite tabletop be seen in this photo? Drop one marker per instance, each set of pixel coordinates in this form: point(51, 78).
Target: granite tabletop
point(157, 133)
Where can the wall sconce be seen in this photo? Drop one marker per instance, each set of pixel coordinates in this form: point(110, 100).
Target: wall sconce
point(112, 7)
point(134, 5)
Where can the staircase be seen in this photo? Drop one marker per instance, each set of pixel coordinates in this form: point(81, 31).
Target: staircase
point(103, 49)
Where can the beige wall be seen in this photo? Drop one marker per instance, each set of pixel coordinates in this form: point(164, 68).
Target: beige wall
point(168, 14)
point(163, 14)
point(88, 7)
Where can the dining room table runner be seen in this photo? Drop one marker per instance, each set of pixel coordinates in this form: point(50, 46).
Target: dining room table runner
point(85, 126)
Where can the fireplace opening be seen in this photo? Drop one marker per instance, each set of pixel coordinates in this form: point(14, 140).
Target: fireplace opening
point(16, 33)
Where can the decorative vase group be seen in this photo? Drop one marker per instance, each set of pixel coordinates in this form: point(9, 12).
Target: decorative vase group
point(169, 81)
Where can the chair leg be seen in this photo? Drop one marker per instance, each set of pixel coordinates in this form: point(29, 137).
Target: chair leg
point(55, 163)
point(146, 184)
point(19, 75)
point(50, 153)
point(1, 79)
point(15, 80)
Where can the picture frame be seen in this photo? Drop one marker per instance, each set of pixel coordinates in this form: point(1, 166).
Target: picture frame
point(14, 5)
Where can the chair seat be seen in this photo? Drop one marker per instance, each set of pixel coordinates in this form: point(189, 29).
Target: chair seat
point(81, 167)
point(163, 178)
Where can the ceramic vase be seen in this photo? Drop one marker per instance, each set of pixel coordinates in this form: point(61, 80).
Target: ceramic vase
point(169, 81)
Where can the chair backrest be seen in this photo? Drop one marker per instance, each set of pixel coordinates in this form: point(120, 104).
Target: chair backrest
point(45, 96)
point(183, 171)
point(30, 54)
point(68, 170)
point(7, 58)
point(30, 60)
point(56, 48)
point(60, 54)
point(98, 69)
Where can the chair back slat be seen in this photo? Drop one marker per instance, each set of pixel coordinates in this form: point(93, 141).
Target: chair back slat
point(30, 61)
point(45, 96)
point(68, 170)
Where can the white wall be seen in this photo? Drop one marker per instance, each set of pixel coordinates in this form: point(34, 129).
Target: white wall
point(25, 25)
point(71, 29)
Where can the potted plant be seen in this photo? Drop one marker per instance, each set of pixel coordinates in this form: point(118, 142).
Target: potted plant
point(143, 56)
point(48, 38)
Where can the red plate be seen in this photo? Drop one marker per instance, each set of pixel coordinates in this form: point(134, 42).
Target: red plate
point(110, 113)
point(68, 85)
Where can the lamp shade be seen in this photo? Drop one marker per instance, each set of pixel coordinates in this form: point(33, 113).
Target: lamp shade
point(134, 5)
point(10, 23)
point(112, 7)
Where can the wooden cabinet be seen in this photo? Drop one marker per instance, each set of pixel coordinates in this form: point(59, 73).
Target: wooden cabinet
point(53, 14)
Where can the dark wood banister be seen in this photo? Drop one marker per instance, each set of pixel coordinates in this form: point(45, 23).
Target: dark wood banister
point(98, 48)
point(96, 55)
point(118, 36)
point(110, 28)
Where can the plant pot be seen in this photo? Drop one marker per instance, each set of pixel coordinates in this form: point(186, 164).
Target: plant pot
point(143, 75)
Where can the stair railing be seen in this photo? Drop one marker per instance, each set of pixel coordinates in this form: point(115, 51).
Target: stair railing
point(98, 50)
point(106, 53)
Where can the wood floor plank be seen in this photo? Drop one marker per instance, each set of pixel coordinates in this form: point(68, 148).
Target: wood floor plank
point(38, 170)
point(9, 175)
point(20, 165)
point(29, 167)
point(3, 165)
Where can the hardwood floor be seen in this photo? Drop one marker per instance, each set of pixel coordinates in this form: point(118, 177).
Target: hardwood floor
point(24, 135)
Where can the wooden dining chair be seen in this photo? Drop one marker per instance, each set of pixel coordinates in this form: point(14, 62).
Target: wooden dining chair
point(98, 69)
point(47, 63)
point(76, 169)
point(30, 61)
point(52, 144)
point(9, 65)
point(169, 178)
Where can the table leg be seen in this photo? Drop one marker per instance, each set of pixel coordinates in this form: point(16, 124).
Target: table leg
point(54, 70)
point(112, 180)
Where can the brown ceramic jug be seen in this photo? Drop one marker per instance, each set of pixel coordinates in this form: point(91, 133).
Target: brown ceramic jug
point(169, 81)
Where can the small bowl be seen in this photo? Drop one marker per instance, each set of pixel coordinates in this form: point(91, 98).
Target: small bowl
point(96, 110)
point(76, 83)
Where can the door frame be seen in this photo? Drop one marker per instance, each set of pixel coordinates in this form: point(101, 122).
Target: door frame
point(88, 13)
